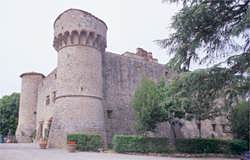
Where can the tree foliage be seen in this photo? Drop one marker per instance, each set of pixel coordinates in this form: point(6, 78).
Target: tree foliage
point(192, 90)
point(151, 106)
point(196, 92)
point(9, 105)
point(146, 102)
point(206, 31)
point(219, 27)
point(191, 95)
point(240, 121)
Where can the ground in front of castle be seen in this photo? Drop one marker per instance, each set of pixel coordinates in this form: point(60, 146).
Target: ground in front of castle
point(31, 151)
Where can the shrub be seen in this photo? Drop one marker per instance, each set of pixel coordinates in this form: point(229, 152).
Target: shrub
point(240, 121)
point(201, 145)
point(9, 105)
point(124, 143)
point(86, 142)
point(238, 146)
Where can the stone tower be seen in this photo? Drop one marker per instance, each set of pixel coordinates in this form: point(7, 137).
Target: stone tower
point(80, 40)
point(27, 110)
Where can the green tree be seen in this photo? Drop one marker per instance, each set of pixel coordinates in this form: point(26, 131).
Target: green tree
point(153, 105)
point(191, 91)
point(191, 95)
point(220, 28)
point(9, 106)
point(196, 93)
point(240, 121)
point(145, 103)
point(170, 107)
point(206, 31)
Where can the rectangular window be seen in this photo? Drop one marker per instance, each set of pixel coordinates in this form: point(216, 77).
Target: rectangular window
point(214, 127)
point(166, 74)
point(47, 100)
point(198, 126)
point(223, 126)
point(109, 114)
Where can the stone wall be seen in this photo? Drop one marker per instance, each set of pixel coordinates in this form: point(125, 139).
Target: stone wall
point(27, 110)
point(122, 75)
point(46, 101)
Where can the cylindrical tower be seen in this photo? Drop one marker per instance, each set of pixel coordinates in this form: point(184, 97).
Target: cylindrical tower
point(80, 40)
point(27, 109)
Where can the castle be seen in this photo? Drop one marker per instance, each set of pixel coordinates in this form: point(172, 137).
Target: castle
point(90, 90)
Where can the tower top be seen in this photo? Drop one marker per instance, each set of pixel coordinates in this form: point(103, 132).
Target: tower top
point(77, 27)
point(31, 74)
point(81, 11)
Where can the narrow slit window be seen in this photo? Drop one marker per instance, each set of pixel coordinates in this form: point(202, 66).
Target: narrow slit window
point(47, 100)
point(54, 96)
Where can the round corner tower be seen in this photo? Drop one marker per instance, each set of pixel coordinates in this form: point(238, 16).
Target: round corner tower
point(80, 40)
point(28, 102)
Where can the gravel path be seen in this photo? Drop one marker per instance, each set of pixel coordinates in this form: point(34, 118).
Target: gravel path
point(32, 152)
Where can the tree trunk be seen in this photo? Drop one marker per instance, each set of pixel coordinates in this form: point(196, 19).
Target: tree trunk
point(172, 125)
point(199, 132)
point(199, 128)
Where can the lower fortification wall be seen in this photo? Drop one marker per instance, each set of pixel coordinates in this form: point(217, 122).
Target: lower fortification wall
point(45, 102)
point(122, 75)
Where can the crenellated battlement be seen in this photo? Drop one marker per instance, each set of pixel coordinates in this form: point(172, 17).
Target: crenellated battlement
point(83, 37)
point(76, 27)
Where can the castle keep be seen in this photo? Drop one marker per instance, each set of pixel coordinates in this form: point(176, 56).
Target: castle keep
point(90, 90)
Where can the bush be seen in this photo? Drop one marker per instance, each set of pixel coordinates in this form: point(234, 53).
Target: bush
point(9, 105)
point(201, 145)
point(240, 121)
point(123, 143)
point(238, 146)
point(86, 142)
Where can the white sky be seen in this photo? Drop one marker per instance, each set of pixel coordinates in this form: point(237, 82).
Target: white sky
point(27, 32)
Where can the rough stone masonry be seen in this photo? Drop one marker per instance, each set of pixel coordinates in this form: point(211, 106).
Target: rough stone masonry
point(90, 90)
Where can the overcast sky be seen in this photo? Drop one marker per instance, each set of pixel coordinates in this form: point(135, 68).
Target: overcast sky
point(27, 32)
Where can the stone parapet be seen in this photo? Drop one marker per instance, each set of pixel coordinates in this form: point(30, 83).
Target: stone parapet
point(77, 27)
point(80, 38)
point(31, 73)
point(141, 54)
